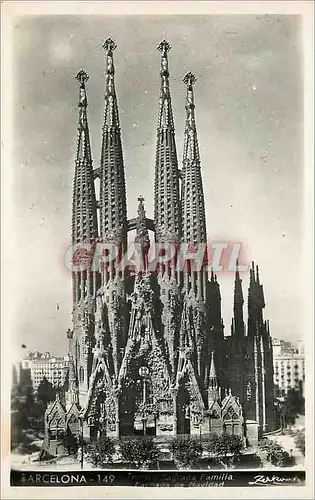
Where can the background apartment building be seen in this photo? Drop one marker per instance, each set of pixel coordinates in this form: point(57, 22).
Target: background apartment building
point(38, 365)
point(289, 366)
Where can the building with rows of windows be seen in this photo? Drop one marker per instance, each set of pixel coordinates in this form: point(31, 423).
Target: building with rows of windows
point(289, 366)
point(40, 366)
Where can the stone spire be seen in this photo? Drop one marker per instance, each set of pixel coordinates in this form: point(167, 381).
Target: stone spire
point(213, 381)
point(167, 198)
point(238, 304)
point(256, 301)
point(213, 385)
point(113, 211)
point(84, 216)
point(193, 207)
point(84, 220)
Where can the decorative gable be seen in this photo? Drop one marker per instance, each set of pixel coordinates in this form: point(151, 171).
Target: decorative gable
point(55, 414)
point(215, 410)
point(231, 408)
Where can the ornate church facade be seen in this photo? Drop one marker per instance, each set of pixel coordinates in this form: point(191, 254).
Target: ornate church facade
point(147, 352)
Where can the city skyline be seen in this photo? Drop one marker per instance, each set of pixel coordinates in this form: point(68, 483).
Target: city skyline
point(245, 64)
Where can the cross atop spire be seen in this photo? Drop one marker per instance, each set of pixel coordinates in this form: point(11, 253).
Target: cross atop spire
point(113, 210)
point(84, 219)
point(213, 387)
point(189, 79)
point(82, 76)
point(252, 273)
point(109, 45)
point(164, 47)
point(194, 225)
point(166, 208)
point(83, 139)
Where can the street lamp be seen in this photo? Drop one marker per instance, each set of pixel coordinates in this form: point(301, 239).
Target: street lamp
point(144, 373)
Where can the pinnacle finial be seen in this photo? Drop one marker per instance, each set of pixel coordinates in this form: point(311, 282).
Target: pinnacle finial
point(252, 273)
point(164, 47)
point(212, 372)
point(257, 274)
point(189, 79)
point(109, 45)
point(237, 271)
point(82, 76)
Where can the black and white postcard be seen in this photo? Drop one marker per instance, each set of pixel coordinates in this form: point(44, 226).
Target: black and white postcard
point(157, 187)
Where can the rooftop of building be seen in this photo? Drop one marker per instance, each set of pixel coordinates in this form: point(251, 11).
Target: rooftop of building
point(289, 355)
point(54, 359)
point(46, 357)
point(288, 348)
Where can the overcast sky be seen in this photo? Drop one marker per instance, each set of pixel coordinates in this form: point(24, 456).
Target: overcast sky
point(249, 113)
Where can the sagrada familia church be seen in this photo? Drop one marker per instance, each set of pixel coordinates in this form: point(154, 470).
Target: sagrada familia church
point(147, 353)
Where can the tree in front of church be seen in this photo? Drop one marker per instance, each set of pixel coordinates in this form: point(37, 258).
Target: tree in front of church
point(299, 441)
point(276, 454)
point(226, 449)
point(294, 405)
point(186, 451)
point(100, 452)
point(45, 392)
